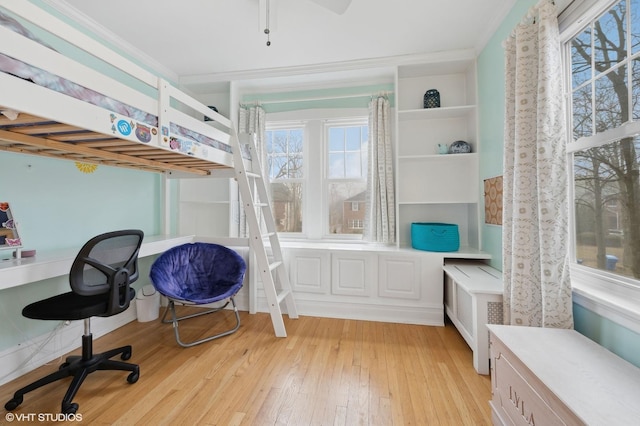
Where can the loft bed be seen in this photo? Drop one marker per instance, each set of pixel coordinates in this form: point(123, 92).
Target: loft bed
point(114, 113)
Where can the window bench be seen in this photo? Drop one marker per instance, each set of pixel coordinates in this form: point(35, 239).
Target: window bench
point(369, 282)
point(472, 299)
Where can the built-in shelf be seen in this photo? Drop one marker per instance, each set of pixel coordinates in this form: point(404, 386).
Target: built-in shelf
point(446, 157)
point(433, 113)
point(433, 187)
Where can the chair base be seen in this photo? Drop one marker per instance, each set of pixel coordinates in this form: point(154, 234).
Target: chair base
point(79, 367)
point(175, 319)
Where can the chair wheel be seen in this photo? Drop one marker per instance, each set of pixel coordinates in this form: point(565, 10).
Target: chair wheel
point(70, 408)
point(125, 355)
point(133, 377)
point(13, 404)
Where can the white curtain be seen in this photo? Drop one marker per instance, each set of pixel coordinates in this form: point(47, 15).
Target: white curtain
point(379, 224)
point(252, 120)
point(537, 288)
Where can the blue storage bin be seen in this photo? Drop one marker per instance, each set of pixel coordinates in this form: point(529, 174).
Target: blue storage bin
point(432, 236)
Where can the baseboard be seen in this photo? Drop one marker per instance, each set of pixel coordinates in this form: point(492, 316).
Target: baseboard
point(366, 312)
point(54, 345)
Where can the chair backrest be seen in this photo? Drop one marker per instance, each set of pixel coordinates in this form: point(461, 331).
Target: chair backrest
point(198, 272)
point(108, 264)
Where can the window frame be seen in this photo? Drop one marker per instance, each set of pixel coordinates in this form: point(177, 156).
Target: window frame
point(609, 295)
point(315, 220)
point(326, 180)
point(290, 125)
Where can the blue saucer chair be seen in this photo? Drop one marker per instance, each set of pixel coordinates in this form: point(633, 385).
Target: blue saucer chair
point(198, 274)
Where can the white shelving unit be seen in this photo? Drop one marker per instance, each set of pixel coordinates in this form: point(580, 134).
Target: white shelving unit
point(434, 187)
point(205, 208)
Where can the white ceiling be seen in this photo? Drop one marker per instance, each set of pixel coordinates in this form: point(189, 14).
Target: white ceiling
point(209, 38)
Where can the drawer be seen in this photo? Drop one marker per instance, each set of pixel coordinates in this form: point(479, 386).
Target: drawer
point(516, 399)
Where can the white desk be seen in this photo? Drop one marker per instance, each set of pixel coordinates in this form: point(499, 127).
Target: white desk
point(55, 263)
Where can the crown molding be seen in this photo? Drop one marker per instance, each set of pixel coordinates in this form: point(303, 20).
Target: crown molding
point(389, 63)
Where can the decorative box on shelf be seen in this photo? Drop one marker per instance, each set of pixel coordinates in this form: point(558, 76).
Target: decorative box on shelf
point(432, 236)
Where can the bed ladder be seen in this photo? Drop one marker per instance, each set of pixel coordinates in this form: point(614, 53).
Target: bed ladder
point(255, 198)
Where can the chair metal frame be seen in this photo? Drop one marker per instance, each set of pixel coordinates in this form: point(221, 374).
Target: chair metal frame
point(171, 306)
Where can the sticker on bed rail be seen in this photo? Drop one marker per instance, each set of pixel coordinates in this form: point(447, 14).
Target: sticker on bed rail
point(174, 144)
point(124, 127)
point(187, 147)
point(143, 133)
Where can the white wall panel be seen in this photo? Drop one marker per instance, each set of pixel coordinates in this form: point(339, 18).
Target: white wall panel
point(353, 274)
point(399, 277)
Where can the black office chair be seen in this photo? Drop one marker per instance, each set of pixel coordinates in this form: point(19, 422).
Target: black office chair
point(100, 280)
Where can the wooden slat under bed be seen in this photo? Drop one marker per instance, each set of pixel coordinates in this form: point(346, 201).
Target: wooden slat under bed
point(32, 135)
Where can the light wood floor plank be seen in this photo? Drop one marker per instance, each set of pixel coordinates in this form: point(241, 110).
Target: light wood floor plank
point(327, 372)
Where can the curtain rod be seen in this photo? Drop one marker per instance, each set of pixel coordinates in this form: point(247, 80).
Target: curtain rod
point(316, 98)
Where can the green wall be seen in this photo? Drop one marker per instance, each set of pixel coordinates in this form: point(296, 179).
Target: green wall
point(614, 337)
point(57, 207)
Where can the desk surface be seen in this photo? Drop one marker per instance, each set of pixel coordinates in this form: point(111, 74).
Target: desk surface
point(55, 263)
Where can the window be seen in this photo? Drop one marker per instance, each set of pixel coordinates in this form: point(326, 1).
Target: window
point(356, 224)
point(346, 177)
point(285, 165)
point(318, 173)
point(605, 113)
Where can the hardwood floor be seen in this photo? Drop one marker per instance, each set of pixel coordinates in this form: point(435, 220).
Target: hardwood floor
point(327, 372)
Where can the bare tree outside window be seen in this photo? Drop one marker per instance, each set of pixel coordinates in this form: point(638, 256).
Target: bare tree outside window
point(286, 173)
point(605, 72)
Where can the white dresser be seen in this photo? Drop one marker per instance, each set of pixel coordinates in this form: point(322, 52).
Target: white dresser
point(542, 376)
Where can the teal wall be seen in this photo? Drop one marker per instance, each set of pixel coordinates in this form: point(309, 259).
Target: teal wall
point(614, 337)
point(57, 206)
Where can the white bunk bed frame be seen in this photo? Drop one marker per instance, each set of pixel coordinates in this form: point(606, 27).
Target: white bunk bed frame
point(38, 120)
point(54, 124)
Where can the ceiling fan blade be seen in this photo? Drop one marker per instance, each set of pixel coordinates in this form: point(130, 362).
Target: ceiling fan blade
point(337, 6)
